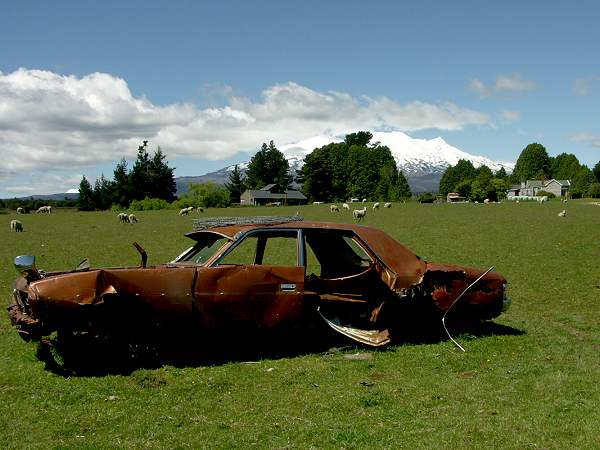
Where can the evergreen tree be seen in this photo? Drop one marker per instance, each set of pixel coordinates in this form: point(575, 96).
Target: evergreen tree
point(565, 166)
point(596, 171)
point(268, 166)
point(453, 176)
point(236, 185)
point(501, 173)
point(85, 201)
point(102, 193)
point(152, 177)
point(533, 163)
point(122, 192)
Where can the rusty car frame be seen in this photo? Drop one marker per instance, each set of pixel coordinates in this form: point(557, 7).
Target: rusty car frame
point(258, 272)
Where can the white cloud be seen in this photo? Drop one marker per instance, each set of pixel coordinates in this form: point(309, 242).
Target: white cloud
point(589, 138)
point(53, 124)
point(511, 116)
point(581, 86)
point(504, 83)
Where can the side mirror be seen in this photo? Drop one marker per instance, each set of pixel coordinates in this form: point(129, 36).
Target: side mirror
point(25, 265)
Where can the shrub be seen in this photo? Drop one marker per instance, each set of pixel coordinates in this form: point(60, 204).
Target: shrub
point(426, 197)
point(594, 191)
point(149, 204)
point(546, 193)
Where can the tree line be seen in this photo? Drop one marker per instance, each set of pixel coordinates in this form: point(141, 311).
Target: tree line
point(533, 163)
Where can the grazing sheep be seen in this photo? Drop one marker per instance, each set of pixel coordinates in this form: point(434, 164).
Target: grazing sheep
point(20, 210)
point(44, 209)
point(364, 200)
point(334, 208)
point(376, 205)
point(563, 213)
point(123, 217)
point(487, 200)
point(16, 225)
point(186, 211)
point(346, 206)
point(542, 199)
point(131, 218)
point(387, 205)
point(359, 214)
point(199, 209)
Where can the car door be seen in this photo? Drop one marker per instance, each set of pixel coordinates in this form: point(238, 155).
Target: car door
point(258, 281)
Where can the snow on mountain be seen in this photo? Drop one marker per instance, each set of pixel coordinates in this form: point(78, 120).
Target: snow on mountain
point(423, 161)
point(413, 156)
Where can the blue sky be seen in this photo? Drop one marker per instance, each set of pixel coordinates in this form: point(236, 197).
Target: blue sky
point(82, 82)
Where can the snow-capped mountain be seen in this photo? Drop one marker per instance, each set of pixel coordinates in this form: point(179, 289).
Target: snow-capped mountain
point(423, 161)
point(413, 156)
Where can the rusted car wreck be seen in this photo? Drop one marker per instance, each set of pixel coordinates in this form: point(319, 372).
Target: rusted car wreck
point(258, 272)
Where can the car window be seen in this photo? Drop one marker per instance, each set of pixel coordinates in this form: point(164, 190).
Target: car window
point(269, 248)
point(202, 251)
point(337, 254)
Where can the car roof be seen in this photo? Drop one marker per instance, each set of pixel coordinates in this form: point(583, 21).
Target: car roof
point(393, 254)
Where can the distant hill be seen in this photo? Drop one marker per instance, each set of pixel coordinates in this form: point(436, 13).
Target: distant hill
point(55, 197)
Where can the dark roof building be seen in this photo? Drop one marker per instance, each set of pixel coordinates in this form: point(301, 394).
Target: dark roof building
point(271, 195)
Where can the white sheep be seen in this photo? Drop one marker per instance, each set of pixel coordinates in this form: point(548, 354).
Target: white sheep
point(16, 225)
point(186, 211)
point(359, 214)
point(44, 209)
point(387, 205)
point(123, 217)
point(364, 200)
point(20, 210)
point(131, 218)
point(487, 200)
point(376, 205)
point(346, 206)
point(334, 208)
point(563, 213)
point(542, 199)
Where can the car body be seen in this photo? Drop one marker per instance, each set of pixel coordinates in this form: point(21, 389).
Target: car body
point(260, 272)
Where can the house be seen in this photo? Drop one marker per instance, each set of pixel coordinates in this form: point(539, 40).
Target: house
point(271, 195)
point(530, 188)
point(454, 197)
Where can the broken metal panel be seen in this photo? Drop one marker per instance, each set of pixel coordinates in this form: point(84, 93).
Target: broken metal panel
point(264, 295)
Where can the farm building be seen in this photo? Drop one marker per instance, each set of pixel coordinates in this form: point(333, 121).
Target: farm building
point(559, 188)
point(270, 194)
point(455, 197)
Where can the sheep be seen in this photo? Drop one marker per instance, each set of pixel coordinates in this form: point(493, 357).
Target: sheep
point(186, 211)
point(20, 210)
point(364, 200)
point(387, 205)
point(131, 218)
point(334, 208)
point(359, 214)
point(199, 209)
point(563, 213)
point(346, 206)
point(44, 209)
point(375, 205)
point(123, 218)
point(16, 225)
point(542, 199)
point(486, 201)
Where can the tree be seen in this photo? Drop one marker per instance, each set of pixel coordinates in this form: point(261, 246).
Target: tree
point(565, 166)
point(268, 166)
point(501, 173)
point(453, 176)
point(122, 190)
point(236, 185)
point(86, 200)
point(208, 195)
point(581, 182)
point(533, 163)
point(596, 171)
point(152, 177)
point(102, 193)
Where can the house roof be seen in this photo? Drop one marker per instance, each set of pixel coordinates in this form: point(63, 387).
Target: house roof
point(267, 195)
point(268, 187)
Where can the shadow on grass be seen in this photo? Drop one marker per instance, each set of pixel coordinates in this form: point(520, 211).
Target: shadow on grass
point(87, 356)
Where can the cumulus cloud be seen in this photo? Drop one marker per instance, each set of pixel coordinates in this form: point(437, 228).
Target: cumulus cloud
point(504, 83)
point(581, 86)
point(589, 138)
point(61, 124)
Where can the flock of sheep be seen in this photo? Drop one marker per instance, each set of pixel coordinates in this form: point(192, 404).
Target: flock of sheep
point(17, 225)
point(358, 214)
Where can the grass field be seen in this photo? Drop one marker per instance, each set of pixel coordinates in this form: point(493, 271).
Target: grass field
point(530, 381)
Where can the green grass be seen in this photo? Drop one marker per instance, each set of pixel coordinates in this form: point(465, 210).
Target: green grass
point(532, 384)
